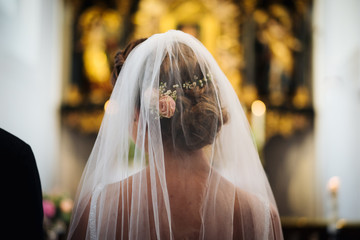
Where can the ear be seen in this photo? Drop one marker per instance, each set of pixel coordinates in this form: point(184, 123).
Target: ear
point(136, 115)
point(135, 125)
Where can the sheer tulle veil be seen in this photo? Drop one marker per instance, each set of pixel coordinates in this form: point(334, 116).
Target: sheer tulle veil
point(194, 172)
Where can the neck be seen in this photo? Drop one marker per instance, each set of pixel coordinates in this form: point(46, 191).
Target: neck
point(189, 161)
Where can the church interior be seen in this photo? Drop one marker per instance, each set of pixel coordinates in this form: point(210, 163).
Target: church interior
point(294, 64)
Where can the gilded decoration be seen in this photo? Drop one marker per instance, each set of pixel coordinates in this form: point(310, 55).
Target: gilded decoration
point(276, 38)
point(277, 48)
point(263, 47)
point(96, 33)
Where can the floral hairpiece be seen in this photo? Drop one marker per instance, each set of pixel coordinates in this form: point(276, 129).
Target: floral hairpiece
point(167, 97)
point(197, 82)
point(167, 100)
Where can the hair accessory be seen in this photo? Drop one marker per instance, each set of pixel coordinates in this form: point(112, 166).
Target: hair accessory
point(164, 92)
point(167, 98)
point(197, 82)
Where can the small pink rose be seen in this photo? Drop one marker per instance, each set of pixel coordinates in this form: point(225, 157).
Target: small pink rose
point(166, 106)
point(49, 208)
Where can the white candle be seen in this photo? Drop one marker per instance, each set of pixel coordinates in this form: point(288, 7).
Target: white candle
point(333, 187)
point(258, 116)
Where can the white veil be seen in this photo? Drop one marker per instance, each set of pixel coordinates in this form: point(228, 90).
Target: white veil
point(195, 171)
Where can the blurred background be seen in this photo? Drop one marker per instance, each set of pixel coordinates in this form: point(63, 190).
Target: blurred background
point(294, 64)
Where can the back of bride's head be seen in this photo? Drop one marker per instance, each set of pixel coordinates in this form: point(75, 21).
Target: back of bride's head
point(198, 116)
point(189, 106)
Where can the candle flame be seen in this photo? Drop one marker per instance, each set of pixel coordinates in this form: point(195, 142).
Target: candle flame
point(334, 184)
point(258, 108)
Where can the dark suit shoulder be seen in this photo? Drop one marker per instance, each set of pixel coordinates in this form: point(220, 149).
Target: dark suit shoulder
point(12, 146)
point(21, 180)
point(8, 139)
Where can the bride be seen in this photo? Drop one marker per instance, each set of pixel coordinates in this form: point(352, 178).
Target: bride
point(194, 173)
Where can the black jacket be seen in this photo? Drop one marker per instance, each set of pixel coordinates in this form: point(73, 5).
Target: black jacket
point(22, 211)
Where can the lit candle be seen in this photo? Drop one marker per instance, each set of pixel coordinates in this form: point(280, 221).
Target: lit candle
point(258, 115)
point(333, 187)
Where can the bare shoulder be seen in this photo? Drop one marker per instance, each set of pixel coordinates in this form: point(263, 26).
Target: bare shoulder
point(123, 189)
point(244, 199)
point(250, 211)
point(228, 187)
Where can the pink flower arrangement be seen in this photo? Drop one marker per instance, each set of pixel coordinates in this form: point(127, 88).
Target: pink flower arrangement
point(57, 213)
point(166, 106)
point(49, 208)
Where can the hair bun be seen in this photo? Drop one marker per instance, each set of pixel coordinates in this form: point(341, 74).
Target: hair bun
point(119, 60)
point(204, 120)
